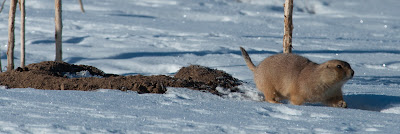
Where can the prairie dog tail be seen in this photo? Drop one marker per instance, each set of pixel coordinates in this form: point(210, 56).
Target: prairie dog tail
point(246, 57)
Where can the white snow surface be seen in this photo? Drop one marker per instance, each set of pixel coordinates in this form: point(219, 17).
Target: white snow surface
point(151, 37)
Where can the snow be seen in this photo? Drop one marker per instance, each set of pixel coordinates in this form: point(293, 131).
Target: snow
point(178, 111)
point(158, 37)
point(81, 74)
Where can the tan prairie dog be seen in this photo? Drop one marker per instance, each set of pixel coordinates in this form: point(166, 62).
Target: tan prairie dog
point(296, 78)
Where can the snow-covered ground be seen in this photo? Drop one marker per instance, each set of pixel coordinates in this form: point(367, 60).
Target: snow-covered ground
point(159, 36)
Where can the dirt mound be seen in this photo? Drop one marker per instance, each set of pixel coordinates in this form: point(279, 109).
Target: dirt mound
point(53, 76)
point(59, 69)
point(211, 77)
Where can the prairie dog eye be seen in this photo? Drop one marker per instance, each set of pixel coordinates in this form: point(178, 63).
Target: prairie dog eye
point(339, 66)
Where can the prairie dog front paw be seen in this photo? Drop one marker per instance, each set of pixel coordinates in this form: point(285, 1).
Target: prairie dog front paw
point(341, 104)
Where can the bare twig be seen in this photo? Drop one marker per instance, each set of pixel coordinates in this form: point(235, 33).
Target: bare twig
point(1, 9)
point(2, 6)
point(22, 2)
point(11, 38)
point(287, 37)
point(80, 3)
point(58, 34)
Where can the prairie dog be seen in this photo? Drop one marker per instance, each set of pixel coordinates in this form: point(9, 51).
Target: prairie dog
point(296, 78)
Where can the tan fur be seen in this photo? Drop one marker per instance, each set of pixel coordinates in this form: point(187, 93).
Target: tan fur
point(293, 77)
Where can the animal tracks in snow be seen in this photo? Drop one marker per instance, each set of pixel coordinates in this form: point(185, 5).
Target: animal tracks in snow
point(286, 113)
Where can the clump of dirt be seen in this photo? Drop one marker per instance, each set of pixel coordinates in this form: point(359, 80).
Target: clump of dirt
point(60, 68)
point(208, 76)
point(51, 75)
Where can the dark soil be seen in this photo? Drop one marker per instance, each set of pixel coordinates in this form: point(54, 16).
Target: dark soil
point(51, 76)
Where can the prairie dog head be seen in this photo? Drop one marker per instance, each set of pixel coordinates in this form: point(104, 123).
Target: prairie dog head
point(336, 71)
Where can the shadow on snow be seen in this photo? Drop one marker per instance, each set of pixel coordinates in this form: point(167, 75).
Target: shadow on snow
point(371, 102)
point(375, 80)
point(221, 51)
point(162, 54)
point(73, 40)
point(134, 16)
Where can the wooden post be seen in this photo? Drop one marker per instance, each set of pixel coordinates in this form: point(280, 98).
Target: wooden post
point(58, 34)
point(11, 38)
point(287, 37)
point(81, 4)
point(22, 33)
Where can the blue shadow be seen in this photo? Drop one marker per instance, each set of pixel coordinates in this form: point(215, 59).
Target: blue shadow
point(346, 51)
point(134, 16)
point(375, 80)
point(73, 40)
point(371, 102)
point(197, 53)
